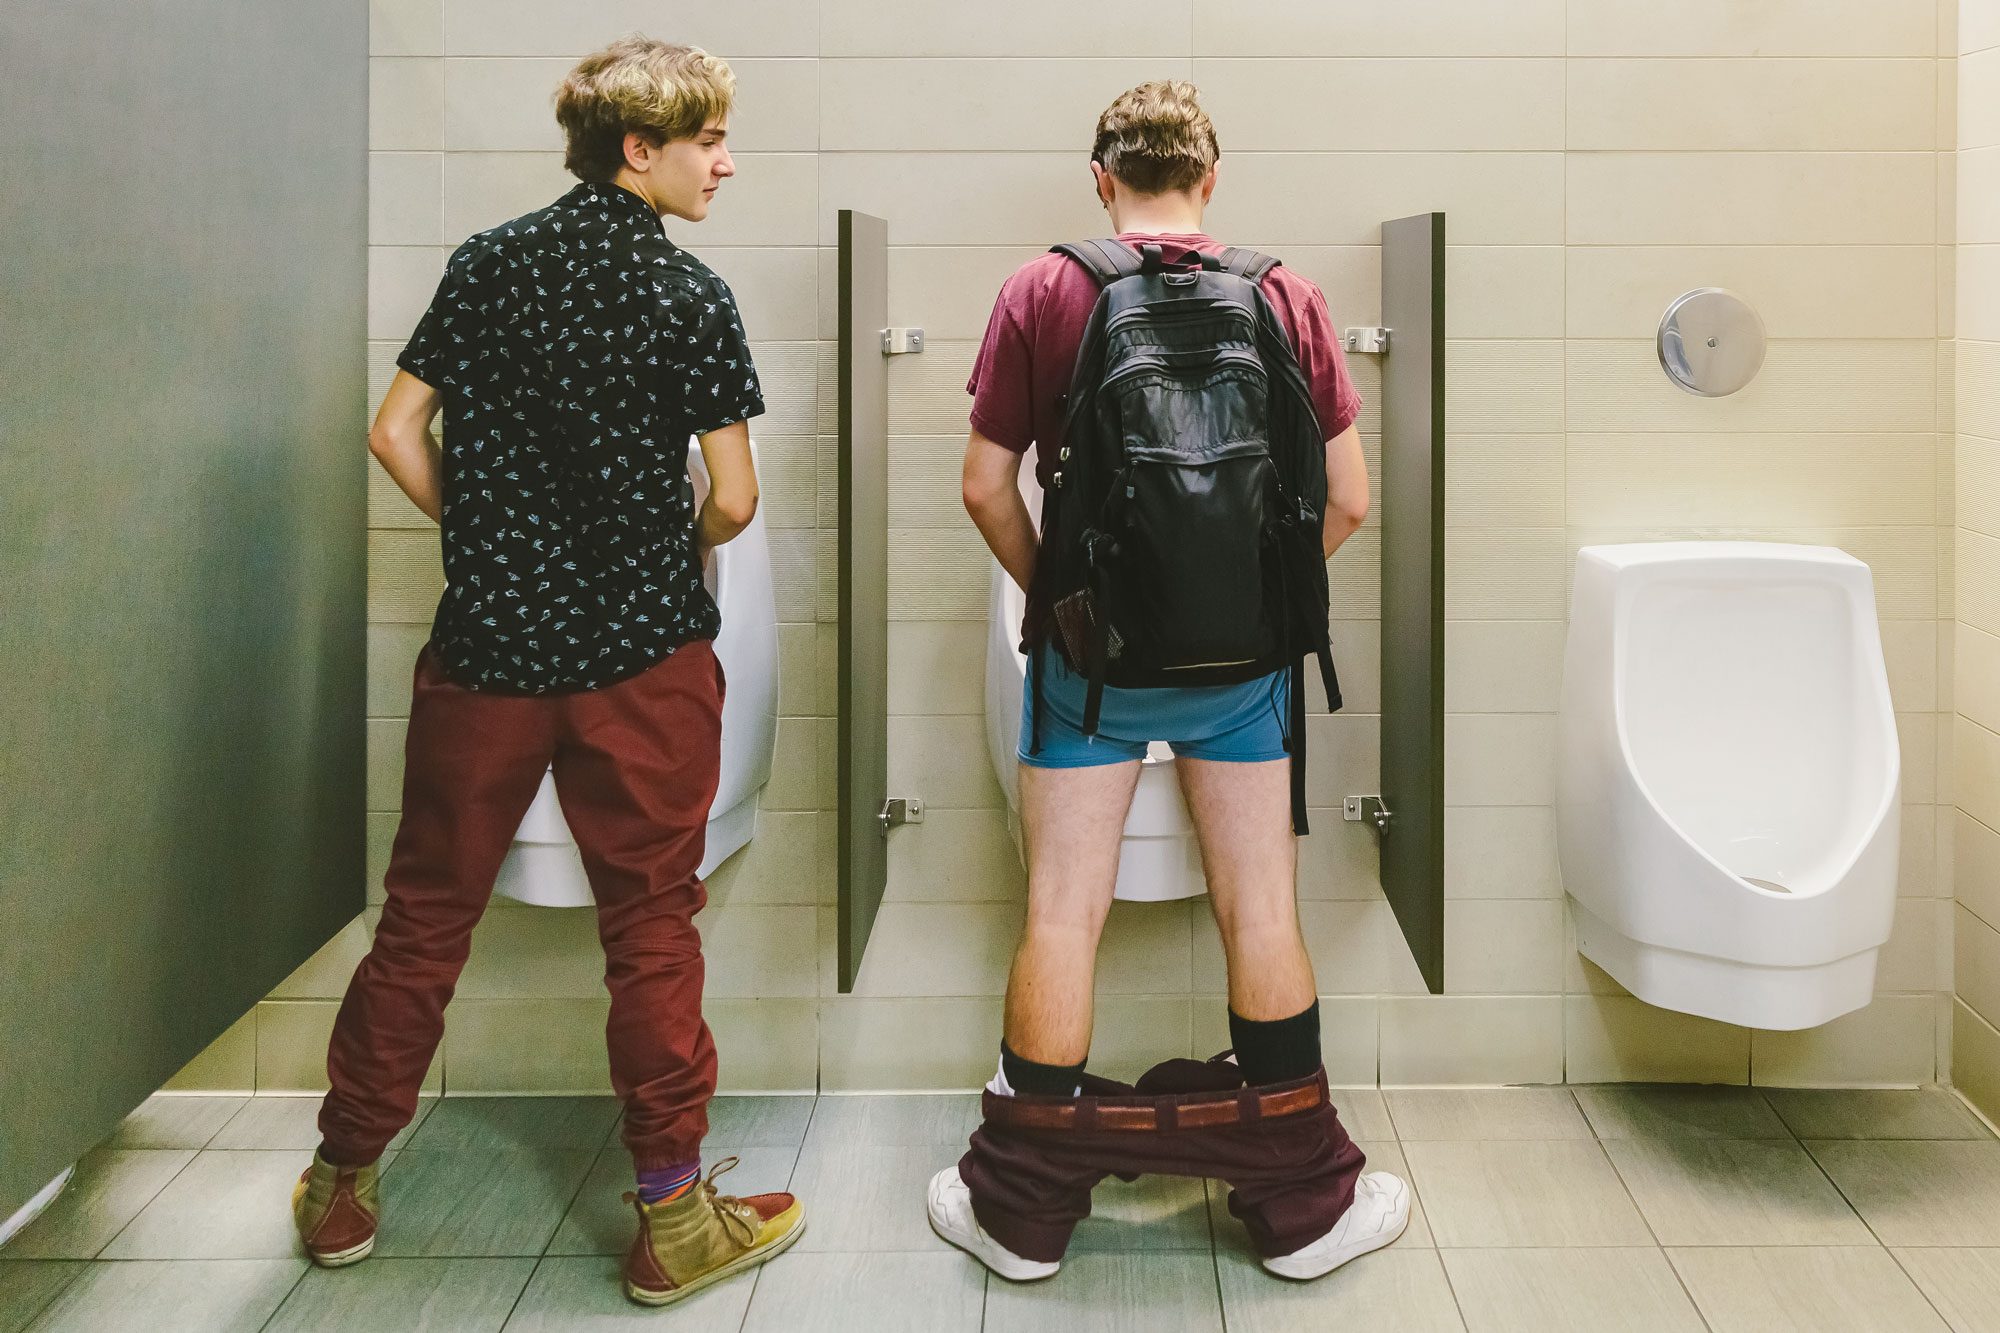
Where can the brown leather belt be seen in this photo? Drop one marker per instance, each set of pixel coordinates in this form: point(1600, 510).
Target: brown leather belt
point(1150, 1114)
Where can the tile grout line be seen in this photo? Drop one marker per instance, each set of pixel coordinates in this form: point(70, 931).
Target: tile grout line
point(1626, 1185)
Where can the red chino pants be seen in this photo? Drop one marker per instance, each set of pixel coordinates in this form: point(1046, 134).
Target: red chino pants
point(636, 767)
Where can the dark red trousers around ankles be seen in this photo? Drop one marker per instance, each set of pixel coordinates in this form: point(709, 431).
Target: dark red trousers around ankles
point(1291, 1169)
point(636, 766)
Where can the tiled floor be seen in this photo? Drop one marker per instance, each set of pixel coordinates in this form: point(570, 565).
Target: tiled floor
point(1539, 1209)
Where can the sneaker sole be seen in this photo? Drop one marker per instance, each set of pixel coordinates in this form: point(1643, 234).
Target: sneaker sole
point(1346, 1256)
point(1011, 1267)
point(343, 1258)
point(748, 1259)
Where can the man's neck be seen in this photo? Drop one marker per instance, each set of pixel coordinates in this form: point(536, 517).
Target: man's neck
point(1158, 217)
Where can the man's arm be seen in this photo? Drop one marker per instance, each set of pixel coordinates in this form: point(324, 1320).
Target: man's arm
point(1346, 489)
point(992, 487)
point(401, 441)
point(732, 487)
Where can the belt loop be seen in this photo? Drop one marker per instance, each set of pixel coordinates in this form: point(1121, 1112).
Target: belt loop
point(1086, 1113)
point(1249, 1105)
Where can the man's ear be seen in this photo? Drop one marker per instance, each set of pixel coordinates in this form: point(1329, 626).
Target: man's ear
point(1105, 186)
point(1208, 182)
point(638, 152)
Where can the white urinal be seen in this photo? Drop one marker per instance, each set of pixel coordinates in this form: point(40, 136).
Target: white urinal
point(1159, 860)
point(1727, 778)
point(543, 866)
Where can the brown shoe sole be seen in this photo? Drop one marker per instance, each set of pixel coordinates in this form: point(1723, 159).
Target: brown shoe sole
point(748, 1259)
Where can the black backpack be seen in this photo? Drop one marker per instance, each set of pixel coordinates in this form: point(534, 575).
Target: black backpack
point(1181, 531)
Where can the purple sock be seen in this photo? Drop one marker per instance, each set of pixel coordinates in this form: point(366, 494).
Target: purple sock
point(667, 1182)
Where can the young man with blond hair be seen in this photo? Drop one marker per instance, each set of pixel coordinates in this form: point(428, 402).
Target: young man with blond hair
point(573, 351)
point(1260, 1120)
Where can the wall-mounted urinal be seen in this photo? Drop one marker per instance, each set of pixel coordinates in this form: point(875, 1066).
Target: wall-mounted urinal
point(1727, 780)
point(543, 866)
point(1159, 860)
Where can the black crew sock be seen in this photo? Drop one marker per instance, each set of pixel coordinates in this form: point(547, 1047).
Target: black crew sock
point(1037, 1079)
point(1277, 1051)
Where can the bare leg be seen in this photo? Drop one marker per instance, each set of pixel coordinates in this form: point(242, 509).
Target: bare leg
point(1072, 820)
point(1242, 817)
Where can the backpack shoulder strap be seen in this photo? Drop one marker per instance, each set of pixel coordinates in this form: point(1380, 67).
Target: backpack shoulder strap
point(1247, 264)
point(1107, 260)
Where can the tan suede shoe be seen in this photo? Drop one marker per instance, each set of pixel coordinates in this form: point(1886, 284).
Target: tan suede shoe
point(336, 1208)
point(702, 1237)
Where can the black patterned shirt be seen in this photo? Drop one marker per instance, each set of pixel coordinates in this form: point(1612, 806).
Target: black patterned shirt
point(576, 349)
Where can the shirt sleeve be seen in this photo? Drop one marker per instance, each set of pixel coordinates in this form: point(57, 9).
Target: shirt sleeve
point(1336, 402)
point(429, 353)
point(1002, 383)
point(714, 374)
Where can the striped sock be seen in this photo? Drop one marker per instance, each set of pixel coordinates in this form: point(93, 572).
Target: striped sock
point(668, 1182)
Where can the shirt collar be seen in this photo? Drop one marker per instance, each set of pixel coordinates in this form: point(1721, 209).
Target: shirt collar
point(615, 198)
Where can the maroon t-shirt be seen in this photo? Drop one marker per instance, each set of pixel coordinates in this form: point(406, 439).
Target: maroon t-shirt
point(1026, 362)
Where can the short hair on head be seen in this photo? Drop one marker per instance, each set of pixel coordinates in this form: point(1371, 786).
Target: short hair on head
point(641, 86)
point(1155, 137)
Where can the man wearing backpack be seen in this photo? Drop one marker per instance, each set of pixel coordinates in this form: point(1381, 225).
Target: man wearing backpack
point(1193, 426)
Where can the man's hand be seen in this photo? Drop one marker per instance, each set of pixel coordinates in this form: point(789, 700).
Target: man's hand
point(732, 488)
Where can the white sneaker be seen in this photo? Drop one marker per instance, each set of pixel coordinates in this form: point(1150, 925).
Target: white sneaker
point(1380, 1211)
point(950, 1207)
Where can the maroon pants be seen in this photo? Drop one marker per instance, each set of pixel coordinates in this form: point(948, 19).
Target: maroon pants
point(636, 767)
point(1290, 1165)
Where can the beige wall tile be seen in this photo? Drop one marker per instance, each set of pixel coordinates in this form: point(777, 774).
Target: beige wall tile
point(325, 975)
point(228, 1064)
point(948, 290)
point(381, 840)
point(552, 954)
point(1503, 666)
point(770, 201)
point(539, 1045)
point(1978, 676)
point(1910, 649)
point(1149, 948)
point(401, 281)
point(943, 760)
point(1770, 28)
point(291, 1047)
point(1736, 104)
point(1357, 661)
point(405, 577)
point(1460, 1039)
point(1977, 785)
point(508, 105)
point(1501, 852)
point(405, 27)
point(1296, 105)
point(392, 658)
point(1731, 479)
point(776, 288)
point(1503, 388)
point(1503, 947)
point(1800, 291)
point(1343, 756)
point(789, 861)
point(1132, 1033)
point(513, 28)
point(1804, 386)
point(1499, 758)
point(1975, 1054)
point(871, 1045)
point(1977, 396)
point(1502, 291)
point(1978, 101)
point(405, 198)
point(1976, 213)
point(803, 759)
point(1616, 1039)
point(1977, 482)
point(1360, 28)
point(940, 949)
point(1505, 574)
point(1891, 1043)
point(1751, 198)
point(1978, 292)
point(980, 103)
point(1341, 198)
point(1340, 860)
point(1503, 481)
point(1976, 866)
point(405, 104)
point(765, 1045)
point(1918, 954)
point(1348, 1035)
point(1976, 963)
point(938, 667)
point(1978, 25)
point(385, 763)
point(1034, 28)
point(964, 198)
point(1345, 940)
point(963, 856)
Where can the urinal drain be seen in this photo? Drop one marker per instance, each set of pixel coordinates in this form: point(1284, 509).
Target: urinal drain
point(1766, 884)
